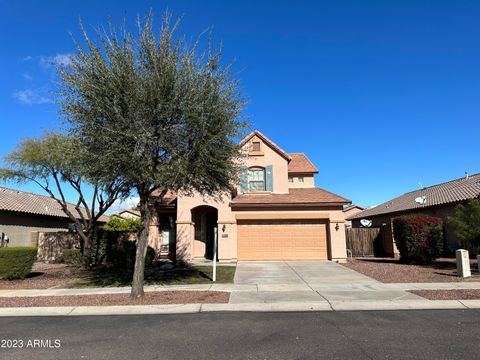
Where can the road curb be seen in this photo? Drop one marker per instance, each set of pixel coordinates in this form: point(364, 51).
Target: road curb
point(246, 307)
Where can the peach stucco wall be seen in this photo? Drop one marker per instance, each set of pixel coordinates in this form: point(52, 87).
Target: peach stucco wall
point(185, 226)
point(227, 241)
point(308, 181)
point(188, 249)
point(337, 241)
point(267, 156)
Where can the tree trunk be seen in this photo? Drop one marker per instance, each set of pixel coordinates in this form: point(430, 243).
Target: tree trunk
point(146, 210)
point(86, 246)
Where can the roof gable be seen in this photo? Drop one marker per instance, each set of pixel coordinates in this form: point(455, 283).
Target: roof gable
point(268, 142)
point(354, 207)
point(301, 164)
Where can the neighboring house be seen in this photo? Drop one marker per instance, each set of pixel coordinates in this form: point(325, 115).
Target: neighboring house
point(437, 200)
point(23, 215)
point(350, 211)
point(128, 214)
point(275, 213)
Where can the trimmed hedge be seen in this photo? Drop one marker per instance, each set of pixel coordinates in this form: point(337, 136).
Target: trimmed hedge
point(16, 262)
point(72, 257)
point(419, 238)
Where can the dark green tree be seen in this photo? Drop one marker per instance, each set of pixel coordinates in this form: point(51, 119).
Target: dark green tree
point(466, 222)
point(56, 162)
point(155, 110)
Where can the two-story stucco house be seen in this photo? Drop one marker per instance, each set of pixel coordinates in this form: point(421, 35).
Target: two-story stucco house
point(277, 213)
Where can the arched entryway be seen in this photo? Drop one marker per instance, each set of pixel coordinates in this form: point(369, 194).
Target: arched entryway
point(205, 223)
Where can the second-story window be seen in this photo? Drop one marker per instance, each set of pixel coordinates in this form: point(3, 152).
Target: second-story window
point(300, 179)
point(290, 179)
point(256, 179)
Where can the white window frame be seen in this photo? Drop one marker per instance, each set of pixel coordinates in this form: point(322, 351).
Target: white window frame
point(255, 177)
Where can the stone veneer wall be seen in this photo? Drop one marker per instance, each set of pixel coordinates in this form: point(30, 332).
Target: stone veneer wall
point(51, 245)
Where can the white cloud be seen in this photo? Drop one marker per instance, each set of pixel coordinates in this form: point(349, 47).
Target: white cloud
point(31, 97)
point(27, 76)
point(27, 58)
point(56, 60)
point(121, 205)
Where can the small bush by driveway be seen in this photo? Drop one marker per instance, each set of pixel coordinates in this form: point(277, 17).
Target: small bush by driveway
point(388, 270)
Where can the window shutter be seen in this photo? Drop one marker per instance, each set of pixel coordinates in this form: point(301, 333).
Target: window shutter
point(269, 178)
point(243, 179)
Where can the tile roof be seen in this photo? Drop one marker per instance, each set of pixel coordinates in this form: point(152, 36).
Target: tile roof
point(300, 163)
point(25, 202)
point(446, 193)
point(301, 196)
point(267, 141)
point(168, 198)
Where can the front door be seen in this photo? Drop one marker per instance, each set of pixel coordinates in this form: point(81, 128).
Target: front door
point(212, 219)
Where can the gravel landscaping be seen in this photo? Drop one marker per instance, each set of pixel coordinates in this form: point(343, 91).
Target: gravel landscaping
point(151, 298)
point(457, 294)
point(45, 276)
point(388, 270)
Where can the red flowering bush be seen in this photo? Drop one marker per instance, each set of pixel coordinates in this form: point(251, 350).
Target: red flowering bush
point(419, 238)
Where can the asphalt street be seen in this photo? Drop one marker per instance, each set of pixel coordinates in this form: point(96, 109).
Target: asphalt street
point(419, 334)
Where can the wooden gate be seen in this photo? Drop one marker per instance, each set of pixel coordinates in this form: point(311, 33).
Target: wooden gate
point(361, 241)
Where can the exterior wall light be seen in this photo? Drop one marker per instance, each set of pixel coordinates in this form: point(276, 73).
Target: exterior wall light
point(337, 227)
point(224, 227)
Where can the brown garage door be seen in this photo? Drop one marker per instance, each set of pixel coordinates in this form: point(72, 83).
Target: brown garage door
point(282, 240)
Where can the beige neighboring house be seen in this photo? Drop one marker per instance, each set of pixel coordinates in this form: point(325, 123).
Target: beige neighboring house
point(127, 214)
point(350, 211)
point(438, 200)
point(23, 215)
point(275, 213)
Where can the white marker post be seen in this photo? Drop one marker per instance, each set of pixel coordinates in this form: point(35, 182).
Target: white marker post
point(215, 234)
point(463, 263)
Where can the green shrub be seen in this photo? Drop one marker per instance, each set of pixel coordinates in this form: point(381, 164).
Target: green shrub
point(16, 262)
point(72, 257)
point(112, 245)
point(419, 238)
point(123, 225)
point(466, 224)
point(122, 256)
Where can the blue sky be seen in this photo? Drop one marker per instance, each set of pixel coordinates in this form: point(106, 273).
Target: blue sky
point(381, 95)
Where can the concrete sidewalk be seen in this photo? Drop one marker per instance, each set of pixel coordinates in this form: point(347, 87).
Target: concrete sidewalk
point(249, 297)
point(246, 307)
point(247, 288)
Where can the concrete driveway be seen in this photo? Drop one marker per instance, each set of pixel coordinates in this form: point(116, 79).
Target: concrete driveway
point(303, 275)
point(279, 281)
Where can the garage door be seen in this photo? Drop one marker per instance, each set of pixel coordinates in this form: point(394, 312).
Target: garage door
point(282, 240)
